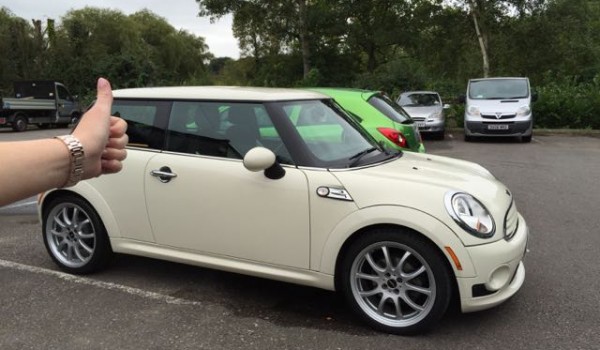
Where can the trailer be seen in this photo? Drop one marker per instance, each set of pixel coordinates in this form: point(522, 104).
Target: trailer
point(40, 102)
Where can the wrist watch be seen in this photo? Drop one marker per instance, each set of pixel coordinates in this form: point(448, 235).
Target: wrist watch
point(76, 154)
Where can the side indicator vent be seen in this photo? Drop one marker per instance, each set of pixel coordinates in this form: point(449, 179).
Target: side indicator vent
point(334, 193)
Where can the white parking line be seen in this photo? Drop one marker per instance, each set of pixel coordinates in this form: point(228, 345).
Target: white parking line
point(20, 204)
point(99, 284)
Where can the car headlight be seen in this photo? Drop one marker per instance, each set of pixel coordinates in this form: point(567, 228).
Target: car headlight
point(470, 214)
point(523, 111)
point(435, 115)
point(474, 111)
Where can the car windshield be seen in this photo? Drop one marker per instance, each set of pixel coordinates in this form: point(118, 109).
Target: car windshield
point(327, 136)
point(498, 89)
point(420, 100)
point(390, 109)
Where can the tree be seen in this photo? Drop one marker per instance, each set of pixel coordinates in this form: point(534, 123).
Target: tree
point(267, 25)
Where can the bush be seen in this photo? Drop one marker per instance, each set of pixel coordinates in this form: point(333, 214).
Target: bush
point(568, 104)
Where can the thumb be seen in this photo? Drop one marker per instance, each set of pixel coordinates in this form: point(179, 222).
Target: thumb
point(104, 97)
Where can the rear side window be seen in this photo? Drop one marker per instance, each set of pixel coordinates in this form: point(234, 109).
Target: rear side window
point(389, 108)
point(145, 121)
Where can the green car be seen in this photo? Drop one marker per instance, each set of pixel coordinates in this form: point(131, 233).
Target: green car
point(384, 119)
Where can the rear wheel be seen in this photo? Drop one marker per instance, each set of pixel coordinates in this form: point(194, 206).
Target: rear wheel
point(74, 235)
point(396, 281)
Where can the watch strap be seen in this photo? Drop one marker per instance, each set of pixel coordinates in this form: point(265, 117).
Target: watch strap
point(76, 155)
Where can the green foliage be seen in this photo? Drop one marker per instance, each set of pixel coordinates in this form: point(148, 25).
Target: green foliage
point(141, 49)
point(567, 103)
point(389, 45)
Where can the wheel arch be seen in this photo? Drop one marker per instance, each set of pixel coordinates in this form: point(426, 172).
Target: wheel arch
point(411, 220)
point(88, 194)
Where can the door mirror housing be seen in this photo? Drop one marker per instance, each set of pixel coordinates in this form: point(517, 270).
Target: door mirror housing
point(263, 159)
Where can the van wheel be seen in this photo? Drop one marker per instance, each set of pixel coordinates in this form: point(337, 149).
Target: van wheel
point(396, 281)
point(20, 123)
point(526, 139)
point(75, 118)
point(74, 235)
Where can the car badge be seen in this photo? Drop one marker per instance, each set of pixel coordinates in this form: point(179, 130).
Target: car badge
point(334, 193)
point(498, 115)
point(508, 192)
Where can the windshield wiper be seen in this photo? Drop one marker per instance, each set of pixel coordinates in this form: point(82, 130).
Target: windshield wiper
point(356, 158)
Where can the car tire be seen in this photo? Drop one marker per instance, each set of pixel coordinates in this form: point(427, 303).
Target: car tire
point(74, 235)
point(396, 281)
point(526, 139)
point(440, 135)
point(20, 123)
point(468, 138)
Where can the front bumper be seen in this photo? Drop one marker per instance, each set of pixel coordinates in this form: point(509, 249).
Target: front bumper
point(504, 128)
point(500, 272)
point(435, 125)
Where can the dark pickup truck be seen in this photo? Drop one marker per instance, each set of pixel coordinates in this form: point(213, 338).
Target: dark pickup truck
point(43, 103)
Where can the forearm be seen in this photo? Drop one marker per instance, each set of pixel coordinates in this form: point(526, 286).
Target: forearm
point(31, 167)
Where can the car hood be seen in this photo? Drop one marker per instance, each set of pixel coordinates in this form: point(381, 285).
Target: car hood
point(506, 106)
point(422, 112)
point(421, 181)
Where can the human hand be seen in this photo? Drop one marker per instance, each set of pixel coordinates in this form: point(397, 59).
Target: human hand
point(103, 136)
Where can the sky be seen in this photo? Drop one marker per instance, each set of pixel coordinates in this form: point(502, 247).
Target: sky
point(181, 14)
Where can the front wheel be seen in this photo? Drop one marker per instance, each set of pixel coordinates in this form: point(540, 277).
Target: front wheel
point(74, 235)
point(396, 281)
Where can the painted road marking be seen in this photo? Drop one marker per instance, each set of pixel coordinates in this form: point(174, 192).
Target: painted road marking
point(99, 284)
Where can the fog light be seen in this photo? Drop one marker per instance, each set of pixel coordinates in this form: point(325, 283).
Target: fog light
point(499, 278)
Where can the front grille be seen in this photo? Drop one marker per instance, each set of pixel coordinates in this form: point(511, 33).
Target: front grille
point(511, 221)
point(493, 116)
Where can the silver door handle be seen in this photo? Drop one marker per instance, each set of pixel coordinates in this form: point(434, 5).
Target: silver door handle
point(164, 174)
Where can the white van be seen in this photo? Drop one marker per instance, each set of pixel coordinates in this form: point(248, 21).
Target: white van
point(499, 107)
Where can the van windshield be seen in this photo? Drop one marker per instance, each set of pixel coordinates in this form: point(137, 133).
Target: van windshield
point(498, 89)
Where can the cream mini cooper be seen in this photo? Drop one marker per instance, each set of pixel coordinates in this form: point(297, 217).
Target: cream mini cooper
point(246, 180)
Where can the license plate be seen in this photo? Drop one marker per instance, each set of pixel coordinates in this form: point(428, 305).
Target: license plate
point(420, 124)
point(497, 127)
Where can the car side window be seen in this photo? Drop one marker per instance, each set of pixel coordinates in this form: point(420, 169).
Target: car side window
point(249, 125)
point(145, 121)
point(195, 128)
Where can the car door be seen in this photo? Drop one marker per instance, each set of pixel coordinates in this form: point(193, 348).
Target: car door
point(200, 197)
point(65, 103)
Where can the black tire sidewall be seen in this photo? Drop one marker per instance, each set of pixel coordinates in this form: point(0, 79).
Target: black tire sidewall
point(102, 250)
point(20, 123)
point(427, 250)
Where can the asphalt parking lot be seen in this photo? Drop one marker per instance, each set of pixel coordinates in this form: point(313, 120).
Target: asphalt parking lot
point(142, 303)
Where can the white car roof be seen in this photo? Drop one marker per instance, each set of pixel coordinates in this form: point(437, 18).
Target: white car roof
point(228, 93)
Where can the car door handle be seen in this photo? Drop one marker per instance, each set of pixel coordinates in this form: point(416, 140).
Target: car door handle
point(164, 174)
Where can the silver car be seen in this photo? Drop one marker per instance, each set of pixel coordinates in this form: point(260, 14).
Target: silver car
point(427, 110)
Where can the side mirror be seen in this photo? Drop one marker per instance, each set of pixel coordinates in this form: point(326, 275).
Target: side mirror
point(262, 159)
point(446, 106)
point(534, 96)
point(462, 99)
